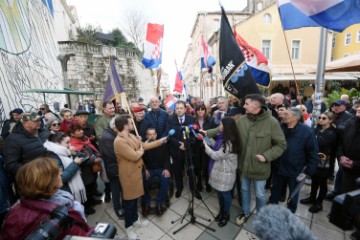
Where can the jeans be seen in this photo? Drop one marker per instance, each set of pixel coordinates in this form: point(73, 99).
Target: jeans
point(164, 186)
point(225, 199)
point(259, 186)
point(276, 189)
point(130, 212)
point(115, 192)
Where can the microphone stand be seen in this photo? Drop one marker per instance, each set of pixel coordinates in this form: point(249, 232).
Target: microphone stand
point(191, 177)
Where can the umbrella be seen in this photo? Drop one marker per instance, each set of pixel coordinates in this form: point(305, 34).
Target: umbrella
point(301, 181)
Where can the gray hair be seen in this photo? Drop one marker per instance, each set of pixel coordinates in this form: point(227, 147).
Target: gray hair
point(51, 121)
point(296, 112)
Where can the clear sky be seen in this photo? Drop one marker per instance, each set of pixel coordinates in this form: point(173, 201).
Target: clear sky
point(178, 18)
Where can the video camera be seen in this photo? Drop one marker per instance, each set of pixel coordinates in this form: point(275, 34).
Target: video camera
point(60, 221)
point(345, 210)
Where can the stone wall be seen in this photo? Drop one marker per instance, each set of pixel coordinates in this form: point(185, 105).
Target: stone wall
point(88, 70)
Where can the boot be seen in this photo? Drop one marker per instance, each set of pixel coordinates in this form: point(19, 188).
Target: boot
point(225, 218)
point(199, 185)
point(219, 216)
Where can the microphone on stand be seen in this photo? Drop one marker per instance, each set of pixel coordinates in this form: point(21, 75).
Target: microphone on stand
point(183, 130)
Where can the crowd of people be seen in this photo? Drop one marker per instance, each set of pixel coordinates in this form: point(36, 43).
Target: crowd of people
point(62, 156)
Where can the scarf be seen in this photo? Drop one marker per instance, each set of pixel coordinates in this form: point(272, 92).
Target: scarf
point(216, 147)
point(75, 183)
point(80, 143)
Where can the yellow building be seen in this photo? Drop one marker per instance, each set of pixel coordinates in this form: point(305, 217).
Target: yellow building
point(346, 43)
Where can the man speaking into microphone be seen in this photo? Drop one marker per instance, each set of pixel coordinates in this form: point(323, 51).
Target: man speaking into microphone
point(179, 145)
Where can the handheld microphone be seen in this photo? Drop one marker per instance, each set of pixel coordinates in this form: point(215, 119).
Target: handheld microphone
point(171, 133)
point(187, 132)
point(183, 130)
point(192, 129)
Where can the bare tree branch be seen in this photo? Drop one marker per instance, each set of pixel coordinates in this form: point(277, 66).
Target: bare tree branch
point(135, 26)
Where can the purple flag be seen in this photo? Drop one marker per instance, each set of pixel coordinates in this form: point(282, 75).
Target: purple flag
point(113, 83)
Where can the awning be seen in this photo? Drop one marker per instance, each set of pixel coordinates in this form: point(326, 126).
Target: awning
point(346, 64)
point(312, 77)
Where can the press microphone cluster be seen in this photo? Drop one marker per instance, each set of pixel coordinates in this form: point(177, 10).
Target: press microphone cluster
point(196, 135)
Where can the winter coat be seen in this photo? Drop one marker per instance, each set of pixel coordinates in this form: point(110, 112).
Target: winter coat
point(108, 153)
point(130, 164)
point(154, 119)
point(21, 147)
point(223, 173)
point(327, 141)
point(341, 121)
point(26, 216)
point(301, 150)
point(5, 130)
point(71, 176)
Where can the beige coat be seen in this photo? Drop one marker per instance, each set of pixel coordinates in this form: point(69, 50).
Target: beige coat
point(130, 164)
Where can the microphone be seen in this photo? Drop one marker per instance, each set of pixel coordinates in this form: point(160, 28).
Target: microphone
point(171, 133)
point(187, 132)
point(192, 129)
point(183, 130)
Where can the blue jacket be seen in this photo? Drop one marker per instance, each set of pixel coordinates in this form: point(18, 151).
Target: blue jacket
point(155, 120)
point(301, 150)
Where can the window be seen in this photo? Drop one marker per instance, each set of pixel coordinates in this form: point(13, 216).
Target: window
point(267, 18)
point(259, 6)
point(358, 36)
point(295, 50)
point(216, 25)
point(347, 39)
point(266, 48)
point(333, 42)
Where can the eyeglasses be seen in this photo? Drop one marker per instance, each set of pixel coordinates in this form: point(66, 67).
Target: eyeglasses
point(56, 124)
point(42, 108)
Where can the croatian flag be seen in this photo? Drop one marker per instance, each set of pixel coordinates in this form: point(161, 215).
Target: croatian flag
point(207, 61)
point(336, 15)
point(256, 61)
point(153, 45)
point(178, 80)
point(170, 102)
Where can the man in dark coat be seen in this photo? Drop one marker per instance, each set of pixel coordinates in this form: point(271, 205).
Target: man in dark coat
point(15, 116)
point(349, 154)
point(157, 164)
point(301, 151)
point(156, 118)
point(179, 147)
point(111, 166)
point(25, 143)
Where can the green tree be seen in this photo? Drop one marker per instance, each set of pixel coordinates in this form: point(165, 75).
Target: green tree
point(87, 34)
point(119, 38)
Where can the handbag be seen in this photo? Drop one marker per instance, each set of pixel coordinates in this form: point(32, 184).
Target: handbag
point(324, 160)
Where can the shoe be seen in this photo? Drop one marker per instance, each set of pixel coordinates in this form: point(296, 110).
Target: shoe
point(141, 223)
point(107, 197)
point(330, 196)
point(95, 201)
point(178, 193)
point(145, 210)
point(199, 186)
point(240, 220)
point(355, 235)
point(223, 221)
point(130, 232)
point(219, 216)
point(160, 209)
point(89, 211)
point(120, 214)
point(208, 188)
point(308, 200)
point(316, 208)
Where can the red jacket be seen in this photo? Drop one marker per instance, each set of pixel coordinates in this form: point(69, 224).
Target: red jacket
point(25, 217)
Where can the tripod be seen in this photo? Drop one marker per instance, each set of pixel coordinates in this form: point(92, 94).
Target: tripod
point(191, 176)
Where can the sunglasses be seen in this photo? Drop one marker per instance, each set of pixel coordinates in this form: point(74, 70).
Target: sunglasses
point(56, 124)
point(42, 108)
point(323, 118)
point(202, 109)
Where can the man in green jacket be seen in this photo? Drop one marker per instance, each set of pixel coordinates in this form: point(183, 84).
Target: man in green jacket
point(262, 141)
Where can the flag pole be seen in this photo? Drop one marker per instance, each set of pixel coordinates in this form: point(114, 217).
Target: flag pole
point(128, 109)
point(319, 84)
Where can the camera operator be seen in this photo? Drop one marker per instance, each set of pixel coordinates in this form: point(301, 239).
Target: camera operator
point(39, 182)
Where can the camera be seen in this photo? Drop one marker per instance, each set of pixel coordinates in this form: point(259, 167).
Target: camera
point(84, 157)
point(50, 229)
